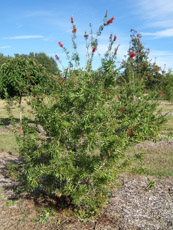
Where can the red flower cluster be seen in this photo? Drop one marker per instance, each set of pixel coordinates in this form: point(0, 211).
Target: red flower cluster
point(130, 132)
point(110, 21)
point(132, 55)
point(60, 44)
point(62, 79)
point(57, 58)
point(37, 97)
point(115, 38)
point(122, 109)
point(139, 35)
point(86, 36)
point(74, 30)
point(162, 93)
point(94, 49)
point(72, 20)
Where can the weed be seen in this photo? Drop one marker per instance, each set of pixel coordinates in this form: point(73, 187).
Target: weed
point(44, 216)
point(151, 184)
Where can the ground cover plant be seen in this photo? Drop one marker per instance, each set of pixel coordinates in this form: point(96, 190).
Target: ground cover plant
point(87, 123)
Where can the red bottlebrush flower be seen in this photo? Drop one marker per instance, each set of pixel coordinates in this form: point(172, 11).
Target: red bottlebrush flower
point(132, 55)
point(28, 76)
point(62, 79)
point(139, 35)
point(60, 44)
point(74, 30)
point(94, 49)
point(162, 93)
point(130, 132)
point(57, 58)
point(86, 36)
point(115, 38)
point(110, 21)
point(122, 109)
point(72, 20)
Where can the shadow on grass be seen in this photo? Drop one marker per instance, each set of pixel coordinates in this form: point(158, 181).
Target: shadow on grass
point(6, 121)
point(10, 166)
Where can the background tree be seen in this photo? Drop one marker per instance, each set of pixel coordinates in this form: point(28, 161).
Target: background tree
point(3, 59)
point(41, 58)
point(144, 69)
point(167, 92)
point(18, 76)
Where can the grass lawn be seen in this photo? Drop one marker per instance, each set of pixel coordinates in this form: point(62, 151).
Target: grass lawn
point(8, 143)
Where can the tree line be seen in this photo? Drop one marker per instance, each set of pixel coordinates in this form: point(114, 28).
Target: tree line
point(47, 62)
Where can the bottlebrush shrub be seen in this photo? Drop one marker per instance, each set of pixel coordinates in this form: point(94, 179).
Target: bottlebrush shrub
point(138, 112)
point(80, 150)
point(78, 153)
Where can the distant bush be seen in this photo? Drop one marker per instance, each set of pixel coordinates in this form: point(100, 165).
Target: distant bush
point(167, 92)
point(41, 58)
point(19, 76)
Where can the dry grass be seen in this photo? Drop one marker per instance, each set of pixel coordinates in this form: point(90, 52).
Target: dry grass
point(166, 106)
point(157, 158)
point(8, 143)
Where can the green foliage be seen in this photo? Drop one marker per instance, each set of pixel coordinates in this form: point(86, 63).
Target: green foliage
point(138, 110)
point(18, 76)
point(168, 87)
point(79, 153)
point(151, 74)
point(3, 59)
point(42, 59)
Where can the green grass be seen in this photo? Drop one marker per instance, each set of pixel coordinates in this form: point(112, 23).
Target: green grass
point(159, 162)
point(169, 124)
point(8, 143)
point(166, 106)
point(156, 160)
point(15, 110)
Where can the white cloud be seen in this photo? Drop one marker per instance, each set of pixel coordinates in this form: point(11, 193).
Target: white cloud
point(160, 34)
point(156, 9)
point(4, 47)
point(24, 37)
point(161, 23)
point(156, 13)
point(160, 53)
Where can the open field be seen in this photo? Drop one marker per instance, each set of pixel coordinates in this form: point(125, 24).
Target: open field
point(142, 201)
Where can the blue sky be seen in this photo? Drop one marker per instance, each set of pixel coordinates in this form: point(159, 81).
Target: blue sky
point(38, 25)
